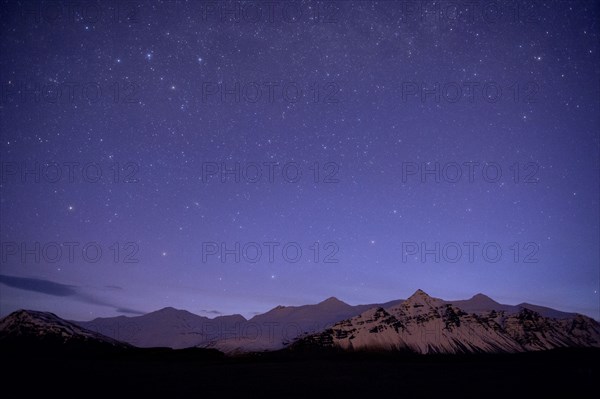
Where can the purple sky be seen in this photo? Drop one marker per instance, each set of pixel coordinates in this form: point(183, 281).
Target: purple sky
point(339, 130)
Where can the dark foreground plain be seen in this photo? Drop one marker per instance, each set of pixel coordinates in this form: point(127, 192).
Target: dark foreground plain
point(206, 373)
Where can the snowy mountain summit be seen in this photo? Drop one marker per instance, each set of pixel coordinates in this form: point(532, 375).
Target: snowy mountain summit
point(33, 327)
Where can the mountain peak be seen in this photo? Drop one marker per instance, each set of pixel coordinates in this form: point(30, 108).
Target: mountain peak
point(169, 312)
point(167, 309)
point(421, 299)
point(31, 324)
point(419, 293)
point(25, 314)
point(332, 301)
point(482, 297)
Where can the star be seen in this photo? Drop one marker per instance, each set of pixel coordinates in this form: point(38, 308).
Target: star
point(201, 146)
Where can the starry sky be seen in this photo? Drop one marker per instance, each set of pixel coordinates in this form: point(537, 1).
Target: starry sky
point(228, 157)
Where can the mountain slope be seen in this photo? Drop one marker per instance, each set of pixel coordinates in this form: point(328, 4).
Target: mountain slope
point(423, 324)
point(25, 328)
point(281, 325)
point(481, 303)
point(166, 327)
point(179, 329)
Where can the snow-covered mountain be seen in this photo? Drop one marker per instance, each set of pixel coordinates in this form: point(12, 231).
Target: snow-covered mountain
point(423, 324)
point(25, 327)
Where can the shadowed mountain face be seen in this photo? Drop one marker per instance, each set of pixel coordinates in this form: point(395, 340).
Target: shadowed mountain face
point(280, 326)
point(420, 324)
point(423, 324)
point(481, 303)
point(178, 329)
point(166, 327)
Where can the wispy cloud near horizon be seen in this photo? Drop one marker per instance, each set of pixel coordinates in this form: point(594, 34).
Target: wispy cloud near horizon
point(52, 288)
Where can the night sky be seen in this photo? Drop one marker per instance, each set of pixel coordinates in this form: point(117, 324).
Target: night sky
point(379, 139)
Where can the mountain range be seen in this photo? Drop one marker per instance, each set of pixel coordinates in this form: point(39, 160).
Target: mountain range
point(272, 330)
point(420, 324)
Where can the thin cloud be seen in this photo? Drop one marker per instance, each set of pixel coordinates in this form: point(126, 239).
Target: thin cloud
point(211, 311)
point(129, 311)
point(37, 285)
point(61, 290)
